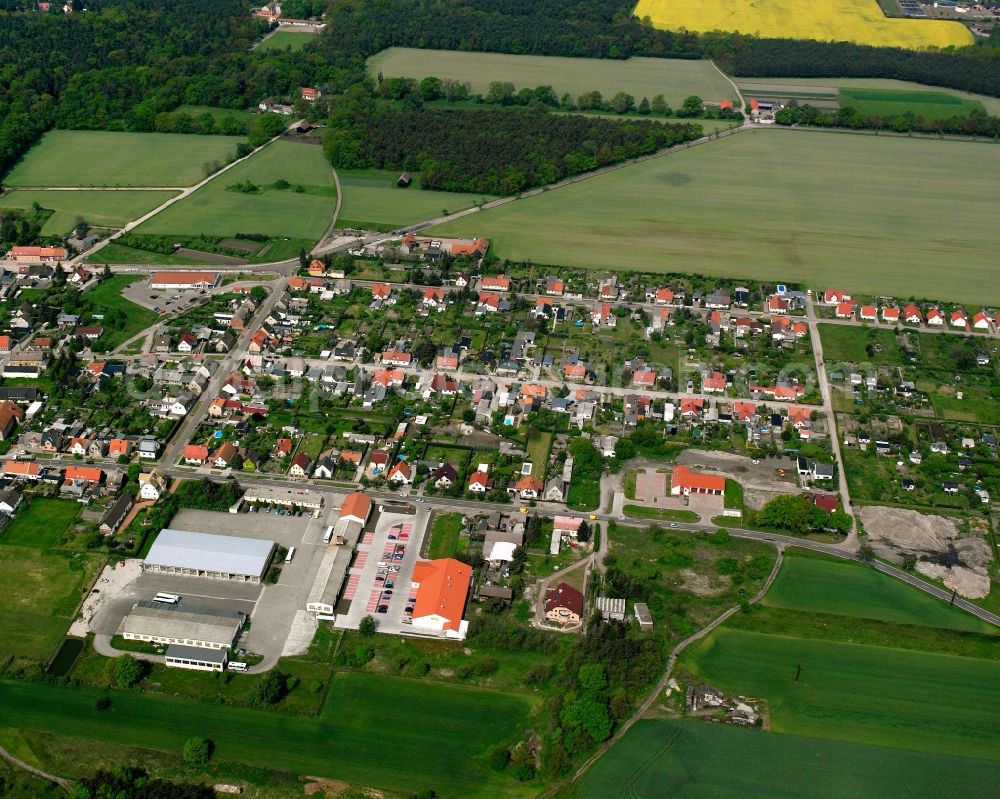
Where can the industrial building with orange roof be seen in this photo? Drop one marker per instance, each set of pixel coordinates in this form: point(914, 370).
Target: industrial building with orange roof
point(442, 589)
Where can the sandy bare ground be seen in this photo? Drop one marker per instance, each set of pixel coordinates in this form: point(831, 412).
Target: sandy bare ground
point(701, 584)
point(761, 481)
point(113, 580)
point(942, 553)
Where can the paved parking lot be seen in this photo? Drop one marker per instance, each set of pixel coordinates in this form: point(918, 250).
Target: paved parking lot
point(274, 609)
point(402, 532)
point(141, 294)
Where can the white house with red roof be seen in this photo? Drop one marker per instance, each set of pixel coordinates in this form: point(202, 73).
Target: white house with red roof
point(844, 310)
point(982, 320)
point(480, 482)
point(554, 287)
point(714, 382)
point(890, 314)
point(935, 317)
point(912, 315)
point(835, 297)
point(381, 291)
point(692, 406)
point(777, 304)
point(434, 298)
point(959, 319)
point(396, 358)
point(495, 283)
point(663, 296)
point(869, 313)
point(644, 377)
point(400, 473)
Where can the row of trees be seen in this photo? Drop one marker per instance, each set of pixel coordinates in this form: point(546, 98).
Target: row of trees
point(978, 123)
point(505, 93)
point(489, 151)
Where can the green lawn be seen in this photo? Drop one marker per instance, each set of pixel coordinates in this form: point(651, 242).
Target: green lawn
point(818, 207)
point(675, 79)
point(217, 211)
point(295, 40)
point(372, 199)
point(695, 760)
point(819, 585)
point(444, 535)
point(41, 523)
point(441, 727)
point(889, 102)
point(105, 158)
point(98, 208)
point(539, 444)
point(217, 113)
point(41, 588)
point(845, 343)
point(866, 694)
point(660, 514)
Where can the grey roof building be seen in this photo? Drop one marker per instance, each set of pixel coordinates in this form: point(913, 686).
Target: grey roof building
point(181, 656)
point(160, 623)
point(220, 557)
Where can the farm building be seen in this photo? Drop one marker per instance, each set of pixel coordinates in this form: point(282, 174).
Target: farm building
point(183, 280)
point(206, 628)
point(219, 557)
point(37, 254)
point(180, 656)
point(442, 588)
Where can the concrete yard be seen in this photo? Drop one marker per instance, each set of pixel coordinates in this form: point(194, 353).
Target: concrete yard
point(370, 554)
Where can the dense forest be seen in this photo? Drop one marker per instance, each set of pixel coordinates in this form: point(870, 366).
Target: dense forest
point(489, 150)
point(123, 63)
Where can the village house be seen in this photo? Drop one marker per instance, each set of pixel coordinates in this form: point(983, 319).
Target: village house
point(684, 482)
point(564, 605)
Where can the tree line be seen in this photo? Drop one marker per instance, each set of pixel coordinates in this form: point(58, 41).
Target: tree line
point(489, 150)
point(977, 123)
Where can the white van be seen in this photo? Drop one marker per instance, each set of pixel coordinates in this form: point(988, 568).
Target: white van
point(290, 555)
point(170, 599)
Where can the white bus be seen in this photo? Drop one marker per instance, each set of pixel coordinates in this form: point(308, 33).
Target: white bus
point(236, 665)
point(328, 535)
point(170, 599)
point(290, 555)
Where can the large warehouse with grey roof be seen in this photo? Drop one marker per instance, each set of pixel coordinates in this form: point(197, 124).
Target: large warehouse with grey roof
point(220, 557)
point(160, 623)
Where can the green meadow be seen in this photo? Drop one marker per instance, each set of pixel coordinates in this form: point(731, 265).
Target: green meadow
point(372, 199)
point(109, 158)
point(286, 39)
point(112, 209)
point(218, 209)
point(889, 102)
point(817, 207)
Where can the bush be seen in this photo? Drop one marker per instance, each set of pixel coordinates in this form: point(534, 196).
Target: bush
point(128, 671)
point(196, 751)
point(368, 625)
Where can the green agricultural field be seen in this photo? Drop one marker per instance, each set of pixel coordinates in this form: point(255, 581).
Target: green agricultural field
point(372, 200)
point(872, 695)
point(831, 86)
point(817, 207)
point(675, 79)
point(693, 760)
point(286, 39)
point(819, 585)
point(889, 102)
point(84, 158)
point(97, 208)
point(350, 739)
point(217, 210)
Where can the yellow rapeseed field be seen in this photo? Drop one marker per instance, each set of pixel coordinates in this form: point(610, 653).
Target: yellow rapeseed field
point(860, 21)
